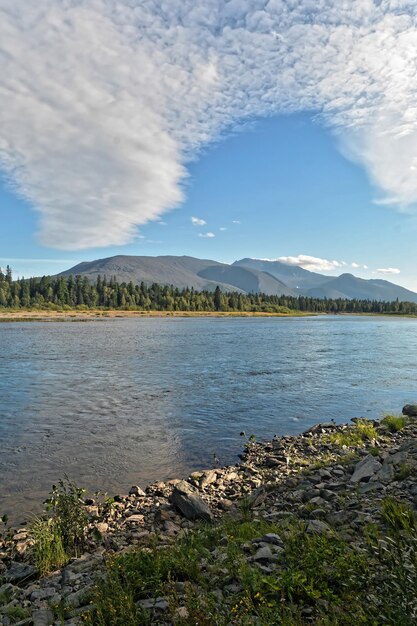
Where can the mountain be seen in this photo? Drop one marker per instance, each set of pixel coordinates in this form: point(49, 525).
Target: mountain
point(246, 275)
point(182, 272)
point(350, 286)
point(291, 275)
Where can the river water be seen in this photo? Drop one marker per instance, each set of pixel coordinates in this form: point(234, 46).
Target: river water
point(118, 402)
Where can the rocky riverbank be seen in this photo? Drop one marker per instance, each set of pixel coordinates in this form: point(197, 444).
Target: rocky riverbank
point(352, 486)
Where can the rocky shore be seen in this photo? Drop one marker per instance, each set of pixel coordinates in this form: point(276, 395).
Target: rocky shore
point(332, 480)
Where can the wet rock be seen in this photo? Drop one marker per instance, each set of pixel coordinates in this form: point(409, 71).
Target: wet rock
point(189, 503)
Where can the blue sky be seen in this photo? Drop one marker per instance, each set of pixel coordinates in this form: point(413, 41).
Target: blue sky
point(290, 129)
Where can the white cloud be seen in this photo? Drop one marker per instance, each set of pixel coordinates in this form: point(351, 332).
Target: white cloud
point(236, 222)
point(388, 270)
point(222, 228)
point(102, 102)
point(208, 235)
point(198, 222)
point(360, 266)
point(312, 263)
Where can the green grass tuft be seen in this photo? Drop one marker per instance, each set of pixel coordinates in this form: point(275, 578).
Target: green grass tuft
point(361, 432)
point(394, 422)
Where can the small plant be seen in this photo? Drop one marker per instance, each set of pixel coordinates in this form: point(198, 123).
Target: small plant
point(394, 422)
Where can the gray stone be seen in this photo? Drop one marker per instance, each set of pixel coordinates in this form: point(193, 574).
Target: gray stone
point(189, 503)
point(208, 477)
point(365, 469)
point(19, 572)
point(272, 538)
point(80, 597)
point(264, 554)
point(370, 487)
point(159, 604)
point(43, 617)
point(135, 490)
point(386, 473)
point(42, 594)
point(317, 526)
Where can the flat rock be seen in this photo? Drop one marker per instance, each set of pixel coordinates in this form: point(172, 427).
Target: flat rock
point(365, 469)
point(189, 503)
point(19, 572)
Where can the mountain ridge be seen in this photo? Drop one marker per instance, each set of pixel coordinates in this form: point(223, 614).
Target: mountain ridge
point(245, 275)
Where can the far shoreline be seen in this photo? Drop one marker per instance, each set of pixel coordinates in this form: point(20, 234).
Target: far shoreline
point(42, 315)
point(94, 314)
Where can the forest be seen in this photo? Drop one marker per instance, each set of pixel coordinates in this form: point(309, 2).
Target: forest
point(76, 292)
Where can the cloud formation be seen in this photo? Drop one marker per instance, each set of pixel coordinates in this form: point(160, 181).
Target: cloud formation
point(208, 235)
point(389, 270)
point(196, 221)
point(312, 263)
point(103, 102)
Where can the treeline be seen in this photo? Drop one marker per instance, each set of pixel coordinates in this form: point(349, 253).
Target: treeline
point(77, 292)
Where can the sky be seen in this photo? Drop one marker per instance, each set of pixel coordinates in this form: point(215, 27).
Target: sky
point(263, 128)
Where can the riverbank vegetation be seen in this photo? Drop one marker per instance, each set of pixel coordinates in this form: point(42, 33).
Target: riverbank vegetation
point(77, 293)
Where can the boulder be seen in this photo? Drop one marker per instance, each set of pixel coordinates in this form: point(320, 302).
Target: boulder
point(410, 410)
point(185, 498)
point(365, 469)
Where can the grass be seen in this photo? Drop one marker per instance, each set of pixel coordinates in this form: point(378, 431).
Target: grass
point(363, 431)
point(322, 575)
point(394, 422)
